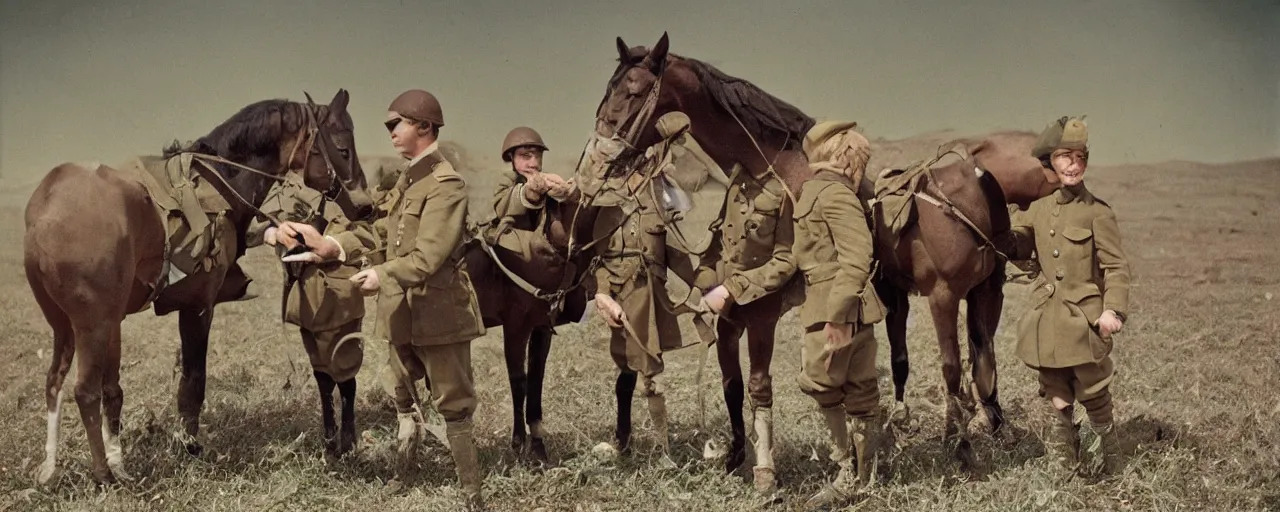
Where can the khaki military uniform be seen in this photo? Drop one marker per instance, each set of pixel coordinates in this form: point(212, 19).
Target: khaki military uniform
point(632, 270)
point(751, 256)
point(833, 249)
point(321, 300)
point(427, 306)
point(1084, 272)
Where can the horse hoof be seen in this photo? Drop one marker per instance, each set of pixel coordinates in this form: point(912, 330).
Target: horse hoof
point(195, 449)
point(605, 451)
point(765, 479)
point(46, 472)
point(900, 415)
point(538, 450)
point(737, 456)
point(117, 470)
point(517, 443)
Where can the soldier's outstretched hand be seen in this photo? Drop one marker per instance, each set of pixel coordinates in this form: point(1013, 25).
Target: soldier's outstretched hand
point(610, 310)
point(368, 281)
point(322, 248)
point(716, 299)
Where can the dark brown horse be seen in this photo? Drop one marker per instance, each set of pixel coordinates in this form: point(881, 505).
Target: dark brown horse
point(737, 123)
point(734, 122)
point(529, 299)
point(90, 268)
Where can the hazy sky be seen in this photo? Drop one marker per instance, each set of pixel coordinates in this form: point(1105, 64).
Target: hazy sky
point(1159, 79)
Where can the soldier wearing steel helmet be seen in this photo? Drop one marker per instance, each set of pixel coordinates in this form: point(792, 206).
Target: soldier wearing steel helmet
point(1079, 300)
point(427, 306)
point(523, 191)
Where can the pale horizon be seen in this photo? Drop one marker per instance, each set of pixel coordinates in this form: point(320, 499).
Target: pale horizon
point(1159, 80)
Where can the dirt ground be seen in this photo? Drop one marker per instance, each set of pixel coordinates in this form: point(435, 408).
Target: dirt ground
point(1195, 395)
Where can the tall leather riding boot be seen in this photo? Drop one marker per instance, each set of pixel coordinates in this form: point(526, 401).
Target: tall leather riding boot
point(658, 412)
point(845, 482)
point(866, 436)
point(466, 461)
point(1103, 450)
point(764, 472)
point(1063, 442)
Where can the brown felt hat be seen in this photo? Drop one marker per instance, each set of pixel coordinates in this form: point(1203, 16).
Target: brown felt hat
point(1065, 132)
point(418, 104)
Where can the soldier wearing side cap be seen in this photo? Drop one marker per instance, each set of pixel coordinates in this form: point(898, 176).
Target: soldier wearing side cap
point(1079, 300)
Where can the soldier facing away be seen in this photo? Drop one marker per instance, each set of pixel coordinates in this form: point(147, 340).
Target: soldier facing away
point(833, 248)
point(427, 306)
point(1079, 299)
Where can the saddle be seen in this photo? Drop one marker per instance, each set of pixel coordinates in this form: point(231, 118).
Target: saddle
point(198, 235)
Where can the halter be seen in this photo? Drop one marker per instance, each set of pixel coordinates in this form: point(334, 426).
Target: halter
point(313, 134)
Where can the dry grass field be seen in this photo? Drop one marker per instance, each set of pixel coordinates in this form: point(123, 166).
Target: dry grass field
point(1197, 403)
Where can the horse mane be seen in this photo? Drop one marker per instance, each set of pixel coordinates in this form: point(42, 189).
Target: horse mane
point(253, 133)
point(766, 116)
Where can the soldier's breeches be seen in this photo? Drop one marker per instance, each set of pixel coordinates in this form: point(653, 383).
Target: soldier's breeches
point(850, 381)
point(448, 370)
point(342, 365)
point(630, 356)
point(1089, 384)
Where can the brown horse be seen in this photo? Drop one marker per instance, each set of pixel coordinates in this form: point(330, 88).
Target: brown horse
point(89, 269)
point(734, 122)
point(737, 123)
point(529, 299)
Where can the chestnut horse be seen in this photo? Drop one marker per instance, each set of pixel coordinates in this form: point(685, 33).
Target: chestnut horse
point(91, 266)
point(941, 257)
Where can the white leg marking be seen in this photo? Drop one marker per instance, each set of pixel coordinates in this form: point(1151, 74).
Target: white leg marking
point(50, 465)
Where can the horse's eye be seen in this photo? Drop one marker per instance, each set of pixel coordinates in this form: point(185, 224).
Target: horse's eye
point(345, 153)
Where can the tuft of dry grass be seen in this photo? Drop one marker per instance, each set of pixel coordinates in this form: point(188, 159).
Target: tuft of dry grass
point(1195, 392)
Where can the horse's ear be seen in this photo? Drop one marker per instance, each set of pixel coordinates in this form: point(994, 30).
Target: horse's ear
point(309, 100)
point(338, 105)
point(658, 55)
point(624, 51)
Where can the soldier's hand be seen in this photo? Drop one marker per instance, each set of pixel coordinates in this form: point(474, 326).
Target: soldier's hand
point(1109, 324)
point(716, 299)
point(610, 310)
point(269, 236)
point(368, 281)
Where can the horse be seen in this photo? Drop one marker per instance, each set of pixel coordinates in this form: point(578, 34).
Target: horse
point(529, 298)
point(737, 123)
point(88, 272)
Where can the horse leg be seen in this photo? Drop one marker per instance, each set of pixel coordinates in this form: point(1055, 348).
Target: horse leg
point(193, 326)
point(92, 340)
point(64, 350)
point(324, 382)
point(945, 307)
point(896, 301)
point(112, 403)
point(539, 350)
point(727, 339)
point(624, 388)
point(984, 305)
point(515, 343)
point(760, 342)
point(347, 439)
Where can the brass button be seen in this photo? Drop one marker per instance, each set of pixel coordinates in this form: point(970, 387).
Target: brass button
point(1052, 232)
point(1049, 287)
point(1055, 253)
point(398, 245)
point(1060, 275)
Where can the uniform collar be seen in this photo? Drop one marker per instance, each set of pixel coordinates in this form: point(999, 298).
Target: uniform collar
point(422, 165)
point(430, 149)
point(827, 175)
point(1077, 193)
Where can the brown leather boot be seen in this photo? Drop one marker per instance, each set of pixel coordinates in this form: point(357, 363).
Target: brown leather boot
point(1063, 443)
point(466, 461)
point(866, 436)
point(1102, 449)
point(845, 483)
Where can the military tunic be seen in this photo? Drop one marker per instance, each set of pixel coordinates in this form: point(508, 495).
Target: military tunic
point(834, 251)
point(323, 302)
point(427, 306)
point(1084, 272)
point(752, 255)
point(633, 271)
